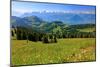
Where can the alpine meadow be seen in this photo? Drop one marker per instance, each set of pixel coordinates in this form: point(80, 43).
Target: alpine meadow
point(51, 33)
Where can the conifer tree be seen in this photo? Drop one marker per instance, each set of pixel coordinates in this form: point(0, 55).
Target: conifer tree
point(12, 33)
point(55, 39)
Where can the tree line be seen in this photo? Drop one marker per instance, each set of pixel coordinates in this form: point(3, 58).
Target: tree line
point(27, 34)
point(23, 33)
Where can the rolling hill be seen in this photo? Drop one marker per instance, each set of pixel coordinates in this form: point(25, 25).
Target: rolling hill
point(40, 25)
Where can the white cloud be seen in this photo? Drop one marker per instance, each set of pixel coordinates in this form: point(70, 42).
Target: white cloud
point(22, 11)
point(74, 12)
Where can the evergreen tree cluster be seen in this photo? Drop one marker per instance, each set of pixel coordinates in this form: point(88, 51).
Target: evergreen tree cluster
point(27, 34)
point(79, 35)
point(23, 33)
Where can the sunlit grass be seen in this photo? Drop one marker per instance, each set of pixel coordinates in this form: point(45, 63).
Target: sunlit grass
point(65, 50)
point(86, 30)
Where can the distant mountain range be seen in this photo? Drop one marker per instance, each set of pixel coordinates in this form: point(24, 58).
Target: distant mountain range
point(67, 18)
point(40, 25)
point(35, 23)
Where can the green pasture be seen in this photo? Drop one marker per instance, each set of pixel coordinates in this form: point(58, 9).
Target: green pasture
point(65, 50)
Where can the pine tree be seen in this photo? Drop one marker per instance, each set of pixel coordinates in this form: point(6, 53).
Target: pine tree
point(35, 36)
point(51, 37)
point(24, 35)
point(55, 39)
point(40, 36)
point(12, 33)
point(19, 34)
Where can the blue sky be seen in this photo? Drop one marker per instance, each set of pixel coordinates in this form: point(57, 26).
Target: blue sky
point(19, 8)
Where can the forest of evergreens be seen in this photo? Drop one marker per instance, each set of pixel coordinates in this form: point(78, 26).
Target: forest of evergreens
point(23, 33)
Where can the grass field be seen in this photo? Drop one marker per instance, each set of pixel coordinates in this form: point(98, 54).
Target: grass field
point(65, 50)
point(87, 30)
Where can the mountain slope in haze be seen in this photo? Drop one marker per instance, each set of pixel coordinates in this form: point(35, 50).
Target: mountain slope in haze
point(26, 21)
point(39, 25)
point(17, 21)
point(36, 23)
point(68, 18)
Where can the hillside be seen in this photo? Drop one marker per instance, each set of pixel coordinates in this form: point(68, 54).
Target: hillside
point(37, 24)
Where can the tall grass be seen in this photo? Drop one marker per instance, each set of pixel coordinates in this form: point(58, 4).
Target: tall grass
point(65, 50)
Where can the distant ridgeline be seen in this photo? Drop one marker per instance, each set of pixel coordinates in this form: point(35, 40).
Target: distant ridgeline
point(35, 29)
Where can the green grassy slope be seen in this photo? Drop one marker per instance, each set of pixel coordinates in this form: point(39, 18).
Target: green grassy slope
point(86, 30)
point(65, 50)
